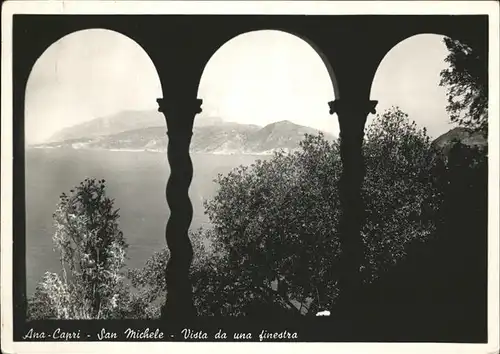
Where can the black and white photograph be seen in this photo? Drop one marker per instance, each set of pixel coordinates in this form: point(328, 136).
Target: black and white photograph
point(273, 172)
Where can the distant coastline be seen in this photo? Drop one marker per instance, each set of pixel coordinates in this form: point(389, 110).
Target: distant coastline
point(216, 152)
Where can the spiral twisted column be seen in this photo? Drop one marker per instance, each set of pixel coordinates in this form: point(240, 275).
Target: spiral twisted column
point(352, 116)
point(179, 115)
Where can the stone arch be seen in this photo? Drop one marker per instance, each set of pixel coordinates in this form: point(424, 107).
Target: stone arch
point(123, 42)
point(49, 43)
point(480, 44)
point(400, 55)
point(313, 51)
point(312, 45)
point(36, 83)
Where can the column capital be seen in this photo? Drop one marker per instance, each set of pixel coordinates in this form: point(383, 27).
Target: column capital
point(179, 115)
point(350, 106)
point(176, 106)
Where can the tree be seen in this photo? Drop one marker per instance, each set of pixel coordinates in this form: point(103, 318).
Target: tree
point(92, 254)
point(400, 191)
point(276, 220)
point(149, 288)
point(273, 242)
point(466, 80)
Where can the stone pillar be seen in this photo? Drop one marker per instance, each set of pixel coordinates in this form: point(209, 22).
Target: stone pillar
point(179, 115)
point(352, 116)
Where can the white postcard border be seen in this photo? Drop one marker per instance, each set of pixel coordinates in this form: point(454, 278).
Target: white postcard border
point(9, 8)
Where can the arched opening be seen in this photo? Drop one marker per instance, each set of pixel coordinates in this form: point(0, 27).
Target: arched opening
point(448, 193)
point(406, 82)
point(409, 76)
point(266, 76)
point(91, 111)
point(262, 92)
point(266, 81)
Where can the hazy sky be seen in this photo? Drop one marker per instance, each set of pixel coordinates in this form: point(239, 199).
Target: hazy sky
point(258, 77)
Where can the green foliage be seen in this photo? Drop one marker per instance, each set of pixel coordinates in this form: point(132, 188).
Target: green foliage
point(466, 80)
point(275, 222)
point(149, 285)
point(276, 219)
point(273, 239)
point(401, 196)
point(92, 254)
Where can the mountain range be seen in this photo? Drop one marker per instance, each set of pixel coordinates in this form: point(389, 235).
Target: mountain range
point(145, 131)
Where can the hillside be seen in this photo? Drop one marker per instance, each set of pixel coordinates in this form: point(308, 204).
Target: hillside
point(118, 123)
point(446, 141)
point(145, 130)
point(212, 136)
